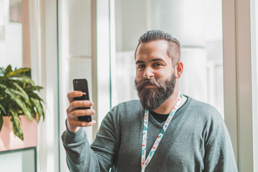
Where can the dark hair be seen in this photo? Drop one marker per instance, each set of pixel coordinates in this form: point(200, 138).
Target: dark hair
point(173, 44)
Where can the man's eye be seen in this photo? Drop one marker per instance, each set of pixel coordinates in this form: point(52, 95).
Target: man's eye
point(140, 66)
point(157, 64)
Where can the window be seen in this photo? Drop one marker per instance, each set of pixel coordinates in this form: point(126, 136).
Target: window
point(196, 24)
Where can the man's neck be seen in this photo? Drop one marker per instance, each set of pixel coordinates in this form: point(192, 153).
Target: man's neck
point(167, 106)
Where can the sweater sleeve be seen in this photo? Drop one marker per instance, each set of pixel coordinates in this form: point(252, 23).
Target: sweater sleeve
point(219, 155)
point(98, 157)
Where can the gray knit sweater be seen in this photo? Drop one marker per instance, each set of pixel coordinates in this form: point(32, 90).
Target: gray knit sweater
point(196, 140)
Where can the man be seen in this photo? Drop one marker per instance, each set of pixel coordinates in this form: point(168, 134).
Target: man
point(164, 131)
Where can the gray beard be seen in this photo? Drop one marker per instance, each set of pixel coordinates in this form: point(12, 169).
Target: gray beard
point(152, 98)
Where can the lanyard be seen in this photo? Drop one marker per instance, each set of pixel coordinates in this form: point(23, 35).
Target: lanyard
point(144, 162)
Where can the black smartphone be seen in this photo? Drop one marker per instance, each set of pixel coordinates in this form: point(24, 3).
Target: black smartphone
point(82, 85)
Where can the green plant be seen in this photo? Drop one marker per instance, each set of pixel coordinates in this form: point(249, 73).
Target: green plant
point(19, 96)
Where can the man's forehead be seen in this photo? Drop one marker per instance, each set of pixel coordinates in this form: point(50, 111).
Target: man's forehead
point(153, 44)
point(152, 50)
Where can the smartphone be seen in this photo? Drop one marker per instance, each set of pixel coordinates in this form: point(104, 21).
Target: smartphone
point(82, 85)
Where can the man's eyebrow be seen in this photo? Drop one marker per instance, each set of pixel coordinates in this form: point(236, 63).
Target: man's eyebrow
point(153, 60)
point(137, 62)
point(157, 59)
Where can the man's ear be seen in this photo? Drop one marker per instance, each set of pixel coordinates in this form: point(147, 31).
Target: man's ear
point(179, 69)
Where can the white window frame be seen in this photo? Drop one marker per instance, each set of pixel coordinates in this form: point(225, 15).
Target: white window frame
point(49, 139)
point(238, 81)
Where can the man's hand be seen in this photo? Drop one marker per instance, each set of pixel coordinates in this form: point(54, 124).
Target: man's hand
point(73, 124)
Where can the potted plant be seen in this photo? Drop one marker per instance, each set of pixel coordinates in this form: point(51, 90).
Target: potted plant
point(19, 96)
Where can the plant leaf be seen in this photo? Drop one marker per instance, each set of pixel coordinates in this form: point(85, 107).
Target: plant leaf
point(2, 71)
point(23, 79)
point(32, 110)
point(41, 105)
point(2, 86)
point(19, 71)
point(2, 78)
point(37, 88)
point(39, 108)
point(16, 124)
point(32, 88)
point(24, 94)
point(8, 70)
point(19, 93)
point(20, 103)
point(3, 110)
point(36, 96)
point(16, 92)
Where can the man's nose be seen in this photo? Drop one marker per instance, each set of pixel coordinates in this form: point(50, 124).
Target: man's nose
point(148, 73)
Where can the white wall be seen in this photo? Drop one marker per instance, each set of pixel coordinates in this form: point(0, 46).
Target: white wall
point(11, 46)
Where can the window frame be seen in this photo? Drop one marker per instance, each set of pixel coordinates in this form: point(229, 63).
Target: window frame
point(238, 102)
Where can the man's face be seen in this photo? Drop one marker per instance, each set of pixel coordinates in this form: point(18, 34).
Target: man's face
point(155, 75)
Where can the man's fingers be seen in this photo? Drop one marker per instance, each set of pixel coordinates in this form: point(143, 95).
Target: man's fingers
point(74, 123)
point(82, 112)
point(78, 104)
point(74, 94)
point(73, 111)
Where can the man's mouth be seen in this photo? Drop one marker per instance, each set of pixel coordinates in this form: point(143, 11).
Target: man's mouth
point(150, 86)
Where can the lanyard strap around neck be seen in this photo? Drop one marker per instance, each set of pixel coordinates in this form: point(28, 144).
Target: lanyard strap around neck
point(144, 162)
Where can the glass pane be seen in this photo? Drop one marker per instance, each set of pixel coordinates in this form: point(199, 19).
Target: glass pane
point(74, 56)
point(196, 24)
point(10, 33)
point(18, 161)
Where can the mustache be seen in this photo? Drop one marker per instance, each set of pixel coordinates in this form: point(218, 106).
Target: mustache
point(152, 81)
